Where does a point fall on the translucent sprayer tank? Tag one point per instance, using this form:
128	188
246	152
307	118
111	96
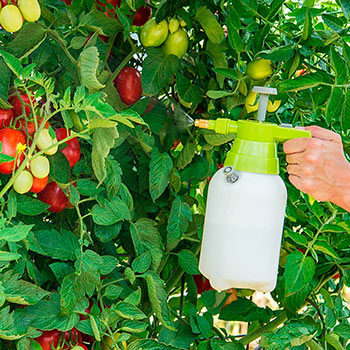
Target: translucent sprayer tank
246	205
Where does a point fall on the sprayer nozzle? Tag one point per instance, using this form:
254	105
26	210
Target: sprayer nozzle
202	123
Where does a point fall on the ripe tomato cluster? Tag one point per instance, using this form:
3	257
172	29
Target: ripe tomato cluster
13	15
18	130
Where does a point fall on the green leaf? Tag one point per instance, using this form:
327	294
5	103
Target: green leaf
159	175
12	62
299	271
334	341
218	94
57	245
158	298
30	206
59	168
103	141
5	73
233	25
246	311
21	292
110	212
279	54
130	311
335	105
217	53
146	238
211	26
157	70
113	292
186	155
227	72
109	263
343	330
88	64
323	246
133	326
304	82
188	92
345	5
97	21
7	256
168	8
15	233
215	139
179	219
27	40
312	345
150	344
188	262
307	30
142	263
341	76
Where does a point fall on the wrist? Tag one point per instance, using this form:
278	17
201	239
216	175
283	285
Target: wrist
341	196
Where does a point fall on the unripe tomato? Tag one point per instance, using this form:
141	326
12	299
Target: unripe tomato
38	184
129	86
78	124
54	196
174	25
30	10
45	140
11	19
10	139
154	34
176	43
24	182
17	104
142	15
251	103
273	106
108	344
72	151
259	69
40	167
6	116
80	347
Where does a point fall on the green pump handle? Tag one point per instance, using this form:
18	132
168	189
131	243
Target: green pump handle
254	148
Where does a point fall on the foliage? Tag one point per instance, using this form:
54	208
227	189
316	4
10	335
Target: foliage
129	245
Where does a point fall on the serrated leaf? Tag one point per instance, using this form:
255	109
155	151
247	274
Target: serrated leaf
215	139
186	155
218	94
188	92
304	82
339	66
299	271
188	262
16	233
323	246
335	105
157	70
130	311
179	219
88	64
159	175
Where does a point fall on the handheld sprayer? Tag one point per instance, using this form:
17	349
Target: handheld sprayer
246	204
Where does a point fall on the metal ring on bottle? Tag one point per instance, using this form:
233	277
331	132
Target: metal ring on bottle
230	174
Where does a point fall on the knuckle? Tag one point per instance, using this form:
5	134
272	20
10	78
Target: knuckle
312	157
315	143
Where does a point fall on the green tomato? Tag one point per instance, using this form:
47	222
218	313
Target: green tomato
24	182
45	140
11	18
259	69
30	10
174	25
40	167
176	43
153	34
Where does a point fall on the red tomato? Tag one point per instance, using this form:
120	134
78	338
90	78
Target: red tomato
5	2
336	276
72	337
202	284
38	184
68	2
17	104
54	196
10	138
176	143
49	339
129	86
72	151
142	15
5	117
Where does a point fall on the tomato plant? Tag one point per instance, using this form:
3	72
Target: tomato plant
22	101
39	184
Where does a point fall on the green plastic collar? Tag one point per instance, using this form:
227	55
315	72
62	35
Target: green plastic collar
255	147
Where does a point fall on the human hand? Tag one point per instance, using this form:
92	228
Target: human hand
317	166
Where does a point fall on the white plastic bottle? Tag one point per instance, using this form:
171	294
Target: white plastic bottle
243	230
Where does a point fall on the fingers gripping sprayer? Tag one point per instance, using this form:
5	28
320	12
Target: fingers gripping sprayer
246	204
